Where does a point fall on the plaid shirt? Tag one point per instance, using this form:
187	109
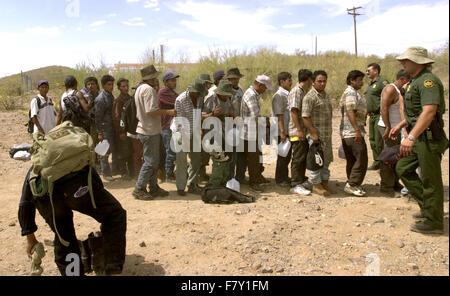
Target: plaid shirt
352	100
319	109
250	109
295	99
184	108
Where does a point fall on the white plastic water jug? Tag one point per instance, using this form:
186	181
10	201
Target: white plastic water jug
102	148
283	148
233	184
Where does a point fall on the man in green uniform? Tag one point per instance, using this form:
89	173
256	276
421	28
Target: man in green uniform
373	95
426	141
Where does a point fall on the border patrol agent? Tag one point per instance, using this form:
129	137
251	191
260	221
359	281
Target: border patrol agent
426	141
373	100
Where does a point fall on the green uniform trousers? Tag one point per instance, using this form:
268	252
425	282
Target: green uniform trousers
375	138
428	190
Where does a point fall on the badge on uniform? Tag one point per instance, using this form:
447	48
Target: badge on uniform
409	88
374	86
80	192
385	82
428	83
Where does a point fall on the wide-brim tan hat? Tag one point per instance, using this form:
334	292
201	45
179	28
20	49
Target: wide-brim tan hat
233	73
225	88
418	55
149	72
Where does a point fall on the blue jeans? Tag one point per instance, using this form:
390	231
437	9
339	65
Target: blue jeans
148	173
104	164
170	155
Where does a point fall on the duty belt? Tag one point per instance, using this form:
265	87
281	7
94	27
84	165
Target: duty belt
373	113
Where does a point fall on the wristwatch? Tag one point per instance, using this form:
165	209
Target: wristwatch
411	137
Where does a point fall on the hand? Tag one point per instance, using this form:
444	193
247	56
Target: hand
171	112
100	137
315	138
217	111
393	134
386	133
301	135
283	137
123	137
31	241
406	147
358	137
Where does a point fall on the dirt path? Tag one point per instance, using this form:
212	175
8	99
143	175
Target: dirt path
279	234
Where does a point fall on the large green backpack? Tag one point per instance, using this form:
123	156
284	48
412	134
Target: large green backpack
64	150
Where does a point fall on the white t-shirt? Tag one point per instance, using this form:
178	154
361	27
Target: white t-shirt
394	110
147	101
45	115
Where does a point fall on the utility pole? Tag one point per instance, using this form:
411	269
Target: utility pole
316	45
352	11
162	54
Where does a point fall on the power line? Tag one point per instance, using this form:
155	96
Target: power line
353	12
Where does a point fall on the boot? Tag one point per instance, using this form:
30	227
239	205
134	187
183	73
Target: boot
85	255
328	187
320	190
95	242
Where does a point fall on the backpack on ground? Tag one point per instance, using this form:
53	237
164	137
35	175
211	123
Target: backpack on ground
224	195
74	112
64	150
30	123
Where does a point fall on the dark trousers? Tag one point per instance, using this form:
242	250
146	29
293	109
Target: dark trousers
104	163
389	179
124	156
298	165
109	213
357	160
137	155
375	138
254	165
282	169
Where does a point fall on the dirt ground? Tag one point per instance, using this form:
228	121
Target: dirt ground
279	234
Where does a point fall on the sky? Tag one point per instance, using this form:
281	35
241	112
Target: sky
68	32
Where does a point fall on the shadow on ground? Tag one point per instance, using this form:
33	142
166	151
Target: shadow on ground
135	265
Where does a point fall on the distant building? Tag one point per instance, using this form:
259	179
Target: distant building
136	67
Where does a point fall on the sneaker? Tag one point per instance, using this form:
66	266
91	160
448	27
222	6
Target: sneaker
307	185
141	194
361	188
418	215
354	190
181	192
108	178
425	228
299	189
194	189
404	191
320	190
256	187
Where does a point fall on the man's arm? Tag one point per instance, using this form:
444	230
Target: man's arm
389	95
83	103
397	129
37	124
296	119
352	118
309	125
423	122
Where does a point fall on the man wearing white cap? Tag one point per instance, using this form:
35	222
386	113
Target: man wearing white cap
250	111
426	141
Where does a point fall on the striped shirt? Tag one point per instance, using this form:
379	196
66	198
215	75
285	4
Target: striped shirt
352	100
319	109
250	111
236	101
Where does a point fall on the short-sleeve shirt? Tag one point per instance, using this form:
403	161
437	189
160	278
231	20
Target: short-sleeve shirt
45	115
280	106
295	99
373	94
225	106
147	101
250	111
424	89
184	108
352	100
236	101
318	108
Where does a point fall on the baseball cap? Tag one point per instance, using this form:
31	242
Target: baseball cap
40	82
218	74
264	80
169	75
